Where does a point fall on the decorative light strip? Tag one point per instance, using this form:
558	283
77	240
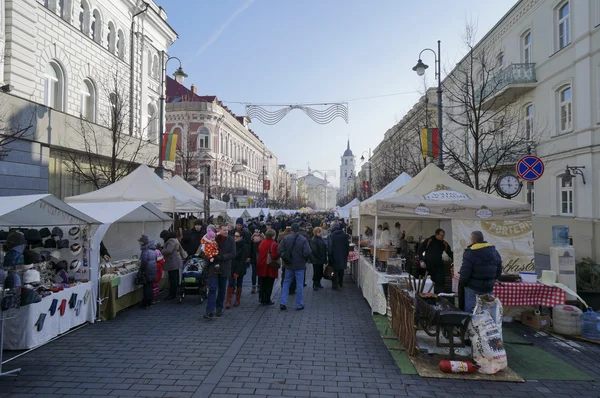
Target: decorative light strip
320	116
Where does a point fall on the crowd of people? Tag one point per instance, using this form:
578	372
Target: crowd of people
269	249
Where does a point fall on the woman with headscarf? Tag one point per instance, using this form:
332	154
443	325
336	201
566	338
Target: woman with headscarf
173	262
148	266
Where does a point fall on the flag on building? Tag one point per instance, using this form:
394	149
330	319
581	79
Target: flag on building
429	142
169	146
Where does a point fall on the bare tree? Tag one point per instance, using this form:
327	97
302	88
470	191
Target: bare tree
104	152
20	125
488	130
187	164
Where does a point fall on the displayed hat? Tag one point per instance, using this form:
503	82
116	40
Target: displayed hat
44	233
50	244
56	231
32	276
55	255
45	255
74	232
75	265
25	267
61	265
33	236
31	257
12	280
75	249
29	296
62	244
16	238
3	235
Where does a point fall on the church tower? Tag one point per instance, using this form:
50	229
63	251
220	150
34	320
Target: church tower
347	172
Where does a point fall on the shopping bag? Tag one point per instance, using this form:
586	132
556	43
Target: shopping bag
329	271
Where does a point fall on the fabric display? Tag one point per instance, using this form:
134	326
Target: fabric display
63	307
529	294
78	307
73	301
86	297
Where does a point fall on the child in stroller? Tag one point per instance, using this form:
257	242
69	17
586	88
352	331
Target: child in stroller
193	281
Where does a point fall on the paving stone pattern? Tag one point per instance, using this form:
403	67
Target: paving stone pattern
331	349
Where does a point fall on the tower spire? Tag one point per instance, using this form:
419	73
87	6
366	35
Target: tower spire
348	143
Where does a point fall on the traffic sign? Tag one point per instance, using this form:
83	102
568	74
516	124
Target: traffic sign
530	168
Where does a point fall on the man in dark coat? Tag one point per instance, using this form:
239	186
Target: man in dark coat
318	257
430	255
295	247
218	273
481	266
339	247
191	239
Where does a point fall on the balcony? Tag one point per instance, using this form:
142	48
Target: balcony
240	166
507	85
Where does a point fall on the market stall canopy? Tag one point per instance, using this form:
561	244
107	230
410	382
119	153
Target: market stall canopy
234	214
433	194
39	211
389	189
255	213
266	211
145	186
110	212
178	183
344	211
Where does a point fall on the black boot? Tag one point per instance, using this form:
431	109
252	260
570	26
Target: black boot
315	287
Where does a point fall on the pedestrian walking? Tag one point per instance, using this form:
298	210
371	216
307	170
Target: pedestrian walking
148	267
191	239
295	252
257	238
267	274
218	272
430	254
481	266
339	247
173	261
238	270
318	257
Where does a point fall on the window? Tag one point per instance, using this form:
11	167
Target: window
565	109
346	161
96	27
110	38
527	47
203	138
564	25
120	45
500	60
566	197
155	66
528	121
152	123
88	100
63	9
113	99
53	86
84	11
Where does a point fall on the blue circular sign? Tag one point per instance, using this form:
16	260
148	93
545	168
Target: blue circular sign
530	168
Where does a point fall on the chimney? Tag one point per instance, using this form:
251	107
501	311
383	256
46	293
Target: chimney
193	88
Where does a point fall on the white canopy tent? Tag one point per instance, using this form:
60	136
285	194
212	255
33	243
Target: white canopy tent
344	211
266	211
435	198
254	212
37	211
217	207
122	223
234	214
145	186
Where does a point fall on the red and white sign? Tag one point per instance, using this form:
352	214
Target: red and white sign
267	185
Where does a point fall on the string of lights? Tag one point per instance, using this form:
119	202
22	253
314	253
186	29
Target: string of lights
320	116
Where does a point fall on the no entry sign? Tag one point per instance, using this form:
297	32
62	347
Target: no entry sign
530	168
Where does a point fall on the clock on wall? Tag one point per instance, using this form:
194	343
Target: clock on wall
508	186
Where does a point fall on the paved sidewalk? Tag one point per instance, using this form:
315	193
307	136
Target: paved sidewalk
331	349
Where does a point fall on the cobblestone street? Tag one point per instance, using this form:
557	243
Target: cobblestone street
331	349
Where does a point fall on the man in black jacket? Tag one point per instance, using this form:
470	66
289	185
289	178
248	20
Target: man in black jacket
430	254
191	239
481	266
218	273
339	248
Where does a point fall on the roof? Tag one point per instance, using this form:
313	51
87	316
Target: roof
348	151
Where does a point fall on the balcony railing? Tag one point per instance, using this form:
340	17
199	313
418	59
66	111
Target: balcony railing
512	75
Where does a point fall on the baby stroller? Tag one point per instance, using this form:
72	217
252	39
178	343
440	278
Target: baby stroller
193	281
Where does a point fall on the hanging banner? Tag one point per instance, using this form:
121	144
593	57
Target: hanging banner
267	185
429	143
366	186
169	146
513	240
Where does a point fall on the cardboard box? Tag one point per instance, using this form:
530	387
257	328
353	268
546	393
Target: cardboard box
536	321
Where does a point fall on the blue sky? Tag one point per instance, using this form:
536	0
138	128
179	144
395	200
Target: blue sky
298	51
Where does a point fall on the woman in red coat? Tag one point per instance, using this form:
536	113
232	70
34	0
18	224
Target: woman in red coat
266	274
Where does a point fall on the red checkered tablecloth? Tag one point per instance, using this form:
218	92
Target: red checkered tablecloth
529	294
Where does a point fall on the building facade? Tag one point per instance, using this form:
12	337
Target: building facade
209	133
347	173
63	60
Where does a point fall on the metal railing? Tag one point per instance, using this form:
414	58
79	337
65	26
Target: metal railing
512	74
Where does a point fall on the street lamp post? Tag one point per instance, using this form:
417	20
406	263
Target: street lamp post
420	69
179	77
362	159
